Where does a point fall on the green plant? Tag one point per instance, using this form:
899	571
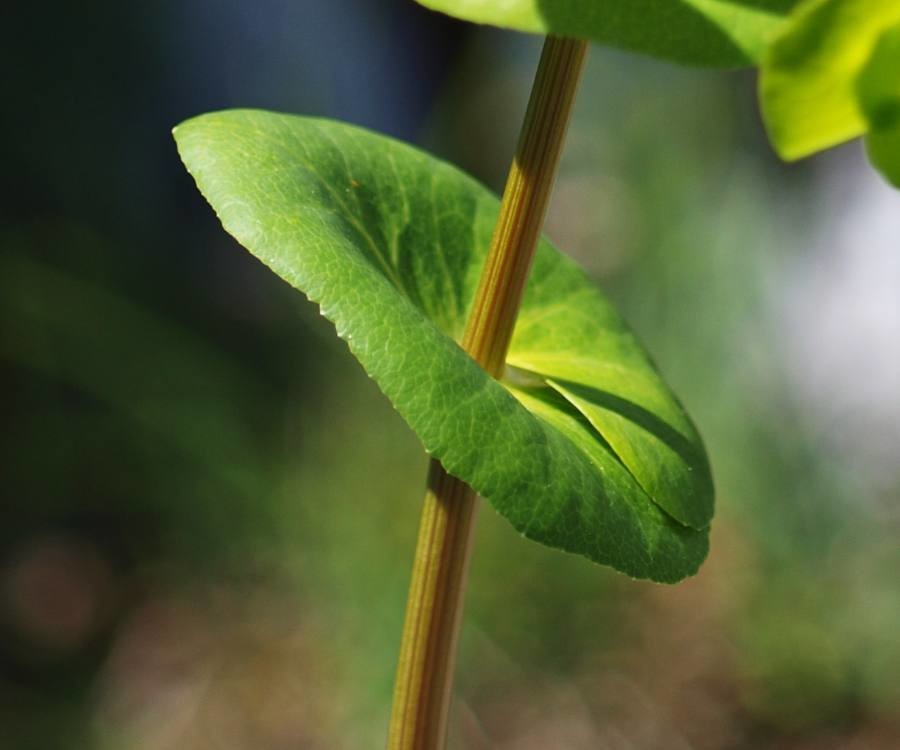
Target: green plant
833	73
521	381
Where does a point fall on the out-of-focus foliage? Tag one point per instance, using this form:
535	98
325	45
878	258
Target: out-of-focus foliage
833	74
158	594
878	88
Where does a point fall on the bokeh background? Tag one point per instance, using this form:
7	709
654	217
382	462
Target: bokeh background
209	511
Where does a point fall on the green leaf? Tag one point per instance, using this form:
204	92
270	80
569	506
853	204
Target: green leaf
878	90
808	76
582	447
716	33
883	148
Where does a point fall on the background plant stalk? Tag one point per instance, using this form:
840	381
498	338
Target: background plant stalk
434	607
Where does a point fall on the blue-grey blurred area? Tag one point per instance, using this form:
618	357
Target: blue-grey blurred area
208	511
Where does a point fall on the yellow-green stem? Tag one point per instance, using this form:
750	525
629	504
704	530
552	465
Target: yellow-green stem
434	606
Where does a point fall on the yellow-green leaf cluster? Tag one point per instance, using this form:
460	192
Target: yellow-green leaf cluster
833	73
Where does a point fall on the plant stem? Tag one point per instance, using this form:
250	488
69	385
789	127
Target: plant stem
434	606
433	612
525	198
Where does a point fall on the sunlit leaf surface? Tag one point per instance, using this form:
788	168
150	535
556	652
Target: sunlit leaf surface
809	75
581	447
717	33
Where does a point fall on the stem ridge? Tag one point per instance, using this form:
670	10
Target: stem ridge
434	607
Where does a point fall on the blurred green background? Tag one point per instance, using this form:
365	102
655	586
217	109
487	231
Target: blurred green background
209	511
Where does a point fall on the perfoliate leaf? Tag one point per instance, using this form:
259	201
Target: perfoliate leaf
716	33
581	446
808	76
878	90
